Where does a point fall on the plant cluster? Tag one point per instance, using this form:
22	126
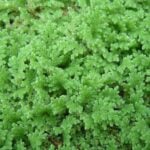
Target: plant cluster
74	74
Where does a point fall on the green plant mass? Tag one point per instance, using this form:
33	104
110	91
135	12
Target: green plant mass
75	74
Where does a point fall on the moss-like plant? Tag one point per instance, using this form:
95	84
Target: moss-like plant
74	74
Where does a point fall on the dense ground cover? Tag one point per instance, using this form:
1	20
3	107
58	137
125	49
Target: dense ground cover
75	75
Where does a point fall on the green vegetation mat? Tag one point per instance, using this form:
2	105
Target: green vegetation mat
75	74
